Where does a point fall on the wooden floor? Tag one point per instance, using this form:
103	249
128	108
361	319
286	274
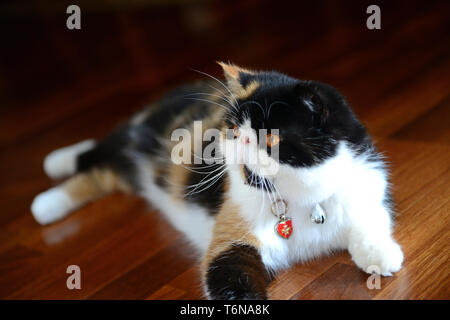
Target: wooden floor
59	86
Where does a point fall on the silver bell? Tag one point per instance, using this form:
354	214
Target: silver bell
318	214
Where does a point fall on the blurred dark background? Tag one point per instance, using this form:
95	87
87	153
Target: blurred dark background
59	86
133	51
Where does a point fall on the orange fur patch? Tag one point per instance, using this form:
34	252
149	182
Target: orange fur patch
231	73
246	92
232	70
85	187
230	228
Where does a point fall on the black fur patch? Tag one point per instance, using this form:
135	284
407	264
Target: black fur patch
116	152
211	193
389	203
238	274
179	101
312	117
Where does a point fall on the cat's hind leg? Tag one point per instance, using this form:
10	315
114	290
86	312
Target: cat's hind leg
63	162
57	202
98	168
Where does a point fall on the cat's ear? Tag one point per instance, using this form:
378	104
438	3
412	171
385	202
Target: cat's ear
313	101
234	75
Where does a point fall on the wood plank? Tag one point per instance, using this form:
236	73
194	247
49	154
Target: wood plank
341	281
80	85
188	283
112	255
426	277
150	275
425	271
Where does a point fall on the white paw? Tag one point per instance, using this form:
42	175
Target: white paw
63	162
383	258
51	205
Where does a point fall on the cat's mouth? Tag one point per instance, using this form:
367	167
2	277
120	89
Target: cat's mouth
255	180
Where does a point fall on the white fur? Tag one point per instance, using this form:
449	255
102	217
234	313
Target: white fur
190	219
63	162
52	205
349	188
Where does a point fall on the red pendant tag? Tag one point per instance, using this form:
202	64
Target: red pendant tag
284	228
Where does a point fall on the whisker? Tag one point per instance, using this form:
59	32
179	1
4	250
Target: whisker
223	98
274	103
203	181
223	94
214	179
210	101
215	159
214	78
257	103
197	171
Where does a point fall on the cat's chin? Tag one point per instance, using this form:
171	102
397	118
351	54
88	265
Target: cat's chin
255	180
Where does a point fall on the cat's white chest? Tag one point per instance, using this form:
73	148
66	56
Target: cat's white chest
308	239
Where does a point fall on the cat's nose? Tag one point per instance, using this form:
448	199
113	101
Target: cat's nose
245	139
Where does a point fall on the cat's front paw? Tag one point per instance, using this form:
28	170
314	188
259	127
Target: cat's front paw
379	258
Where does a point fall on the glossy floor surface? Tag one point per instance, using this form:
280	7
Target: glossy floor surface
58	87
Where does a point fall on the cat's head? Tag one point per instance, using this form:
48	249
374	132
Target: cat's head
278	121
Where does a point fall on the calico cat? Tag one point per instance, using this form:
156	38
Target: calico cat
329	190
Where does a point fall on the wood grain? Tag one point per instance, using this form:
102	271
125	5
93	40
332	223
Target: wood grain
78	85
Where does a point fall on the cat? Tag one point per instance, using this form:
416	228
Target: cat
324	189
